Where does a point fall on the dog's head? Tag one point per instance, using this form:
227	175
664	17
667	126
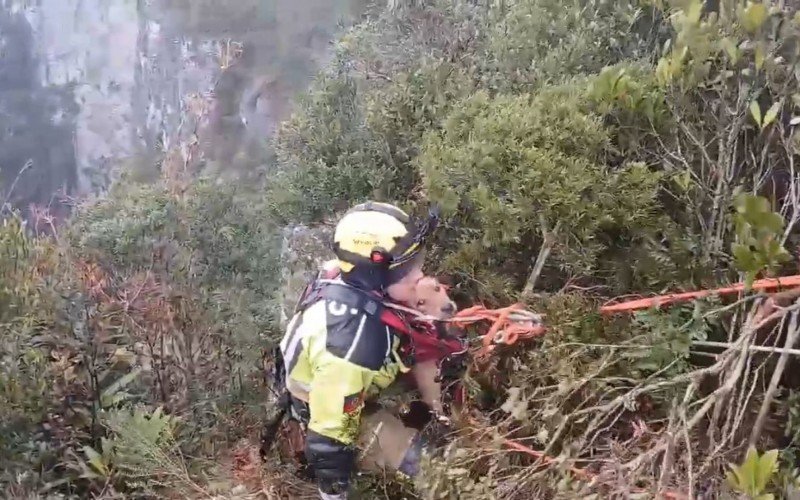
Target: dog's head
432	299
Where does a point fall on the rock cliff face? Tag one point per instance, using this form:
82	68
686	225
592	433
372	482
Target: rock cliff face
90	85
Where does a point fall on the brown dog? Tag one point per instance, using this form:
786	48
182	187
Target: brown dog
384	439
431	300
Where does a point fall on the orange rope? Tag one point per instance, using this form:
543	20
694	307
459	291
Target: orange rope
578	472
663	300
509	324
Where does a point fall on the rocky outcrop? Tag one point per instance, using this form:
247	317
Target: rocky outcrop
304	251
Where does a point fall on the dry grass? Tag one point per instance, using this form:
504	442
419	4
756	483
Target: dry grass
597	433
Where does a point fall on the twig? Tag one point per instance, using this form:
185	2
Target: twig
28	164
720	396
544	252
791	338
688	454
667	462
735	418
779	313
757	348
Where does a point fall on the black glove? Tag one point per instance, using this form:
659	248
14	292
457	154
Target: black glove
452	367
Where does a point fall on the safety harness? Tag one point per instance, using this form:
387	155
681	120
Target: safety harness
421	340
418	337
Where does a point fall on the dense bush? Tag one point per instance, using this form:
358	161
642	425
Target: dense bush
327	154
212	235
395	81
146	299
355	133
539	42
662	114
525	173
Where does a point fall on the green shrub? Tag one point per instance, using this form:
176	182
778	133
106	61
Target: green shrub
149	298
516	173
212	234
327	154
722	91
414	103
538	42
398	39
140	456
356	134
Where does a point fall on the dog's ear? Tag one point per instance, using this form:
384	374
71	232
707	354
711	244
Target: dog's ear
445	279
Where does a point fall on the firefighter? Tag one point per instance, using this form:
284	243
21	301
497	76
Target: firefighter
343	346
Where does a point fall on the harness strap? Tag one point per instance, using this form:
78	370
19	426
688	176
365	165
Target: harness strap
353	297
394	316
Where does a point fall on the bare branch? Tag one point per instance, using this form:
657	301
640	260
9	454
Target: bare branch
791	338
5	205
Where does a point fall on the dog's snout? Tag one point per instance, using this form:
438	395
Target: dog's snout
449	308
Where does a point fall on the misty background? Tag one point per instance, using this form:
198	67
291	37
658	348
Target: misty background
88	87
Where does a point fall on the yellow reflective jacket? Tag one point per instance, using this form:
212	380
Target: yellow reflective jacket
336	353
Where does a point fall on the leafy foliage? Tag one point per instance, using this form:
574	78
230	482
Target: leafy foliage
336	157
581	150
670	335
737	60
519	171
758	231
536	42
146	298
140	453
753	475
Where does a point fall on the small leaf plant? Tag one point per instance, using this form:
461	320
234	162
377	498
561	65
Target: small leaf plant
753	475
